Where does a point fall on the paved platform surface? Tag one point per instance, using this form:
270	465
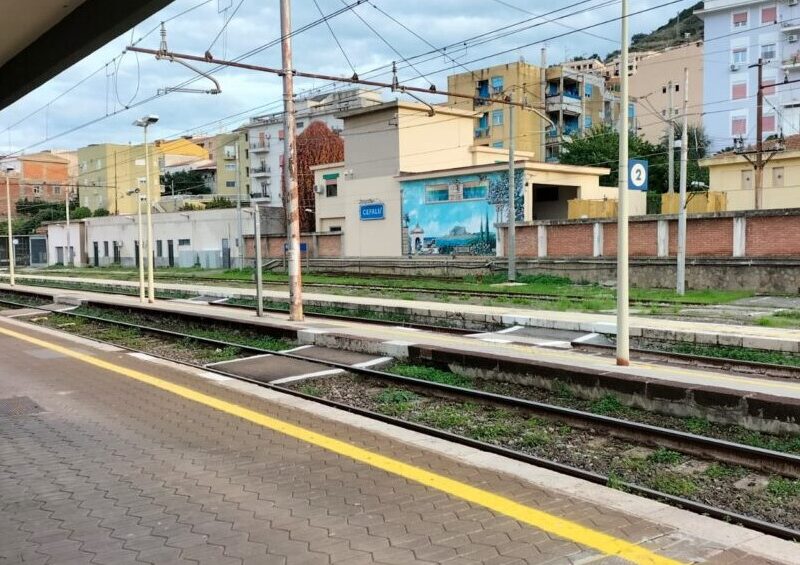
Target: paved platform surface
108	457
396	338
701	332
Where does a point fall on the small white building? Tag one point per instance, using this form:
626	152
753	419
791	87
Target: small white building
204	238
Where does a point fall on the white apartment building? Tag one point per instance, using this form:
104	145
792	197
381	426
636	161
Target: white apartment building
264	138
737	34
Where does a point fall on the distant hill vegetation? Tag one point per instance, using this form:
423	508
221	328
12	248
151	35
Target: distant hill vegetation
685	27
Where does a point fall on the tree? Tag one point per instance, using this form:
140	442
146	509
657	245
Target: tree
81	212
699	142
599	147
184	182
100	213
219	202
317	145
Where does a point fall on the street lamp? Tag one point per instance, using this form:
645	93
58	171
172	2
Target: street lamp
11	255
144	123
137	192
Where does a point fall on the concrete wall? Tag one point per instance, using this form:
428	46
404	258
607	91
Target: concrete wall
57	239
724	235
318	245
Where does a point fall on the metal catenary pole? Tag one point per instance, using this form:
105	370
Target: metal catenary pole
290	167
623	346
9	228
681	286
759	137
151	288
141	245
512	192
258	266
239	240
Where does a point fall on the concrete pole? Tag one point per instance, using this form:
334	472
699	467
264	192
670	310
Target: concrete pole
681	286
69	244
151	289
290	167
512	192
239	241
257	246
11	255
543	91
623	330
759	168
671	138
141	246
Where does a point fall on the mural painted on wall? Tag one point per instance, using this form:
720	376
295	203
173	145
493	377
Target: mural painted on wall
450	216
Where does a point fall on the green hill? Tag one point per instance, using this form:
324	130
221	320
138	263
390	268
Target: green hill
685	27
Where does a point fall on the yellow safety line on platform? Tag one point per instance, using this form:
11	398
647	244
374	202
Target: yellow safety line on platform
560	527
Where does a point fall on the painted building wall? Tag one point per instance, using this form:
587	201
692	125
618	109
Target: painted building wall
450	215
728	52
734	176
653	73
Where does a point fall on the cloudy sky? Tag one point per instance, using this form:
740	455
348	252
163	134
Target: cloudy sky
48	118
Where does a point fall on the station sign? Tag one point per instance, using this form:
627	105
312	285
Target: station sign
371	211
303	247
637	174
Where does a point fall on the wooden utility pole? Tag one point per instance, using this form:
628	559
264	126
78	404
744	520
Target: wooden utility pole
290	167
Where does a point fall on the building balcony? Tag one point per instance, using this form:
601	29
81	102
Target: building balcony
482	132
259	146
568	105
790	26
260	171
791	62
264	196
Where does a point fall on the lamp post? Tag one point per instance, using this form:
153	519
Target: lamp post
137	192
69	243
11	254
144	123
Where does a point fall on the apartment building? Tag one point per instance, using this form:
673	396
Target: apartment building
36	177
107	171
737	35
564	104
262	138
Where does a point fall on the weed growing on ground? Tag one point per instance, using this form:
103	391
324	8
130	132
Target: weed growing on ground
311	390
395	401
535	438
447	417
609	405
432	375
563	390
664	456
781	487
699	426
673	484
720	471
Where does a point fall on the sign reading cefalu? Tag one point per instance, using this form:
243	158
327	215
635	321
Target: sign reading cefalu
371	211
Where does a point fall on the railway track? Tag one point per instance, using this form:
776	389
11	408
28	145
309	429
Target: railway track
785	464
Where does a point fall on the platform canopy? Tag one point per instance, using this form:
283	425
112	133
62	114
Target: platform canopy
41	38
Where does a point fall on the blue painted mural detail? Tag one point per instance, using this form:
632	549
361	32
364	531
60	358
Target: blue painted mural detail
454	215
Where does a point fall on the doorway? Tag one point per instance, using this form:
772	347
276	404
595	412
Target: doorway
170	253
96	254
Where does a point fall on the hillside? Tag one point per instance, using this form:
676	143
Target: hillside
674	32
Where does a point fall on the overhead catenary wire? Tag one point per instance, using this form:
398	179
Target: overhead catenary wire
336	39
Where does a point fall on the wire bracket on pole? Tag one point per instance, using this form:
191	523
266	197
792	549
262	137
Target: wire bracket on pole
163	53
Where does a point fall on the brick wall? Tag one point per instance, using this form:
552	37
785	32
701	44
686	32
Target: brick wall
769	237
570	240
772	233
327	245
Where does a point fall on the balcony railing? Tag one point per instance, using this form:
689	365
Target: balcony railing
259	146
482	132
262	170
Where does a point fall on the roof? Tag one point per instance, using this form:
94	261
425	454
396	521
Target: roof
43	157
522	164
402	104
792	145
39	41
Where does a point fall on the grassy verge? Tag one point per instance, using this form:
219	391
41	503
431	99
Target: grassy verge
729	352
789	319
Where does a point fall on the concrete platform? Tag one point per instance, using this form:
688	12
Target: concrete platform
777	339
122	459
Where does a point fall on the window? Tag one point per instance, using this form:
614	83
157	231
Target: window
769	86
335	228
768	122
246	153
230	183
105	249
230	166
474	192
769	15
497	144
546	194
159	248
587	122
588	90
740	19
37	190
738	90
497	84
777	177
437	193
768	51
247	171
299	124
739	56
182	242
331	189
739	125
56	190
230	151
497	117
